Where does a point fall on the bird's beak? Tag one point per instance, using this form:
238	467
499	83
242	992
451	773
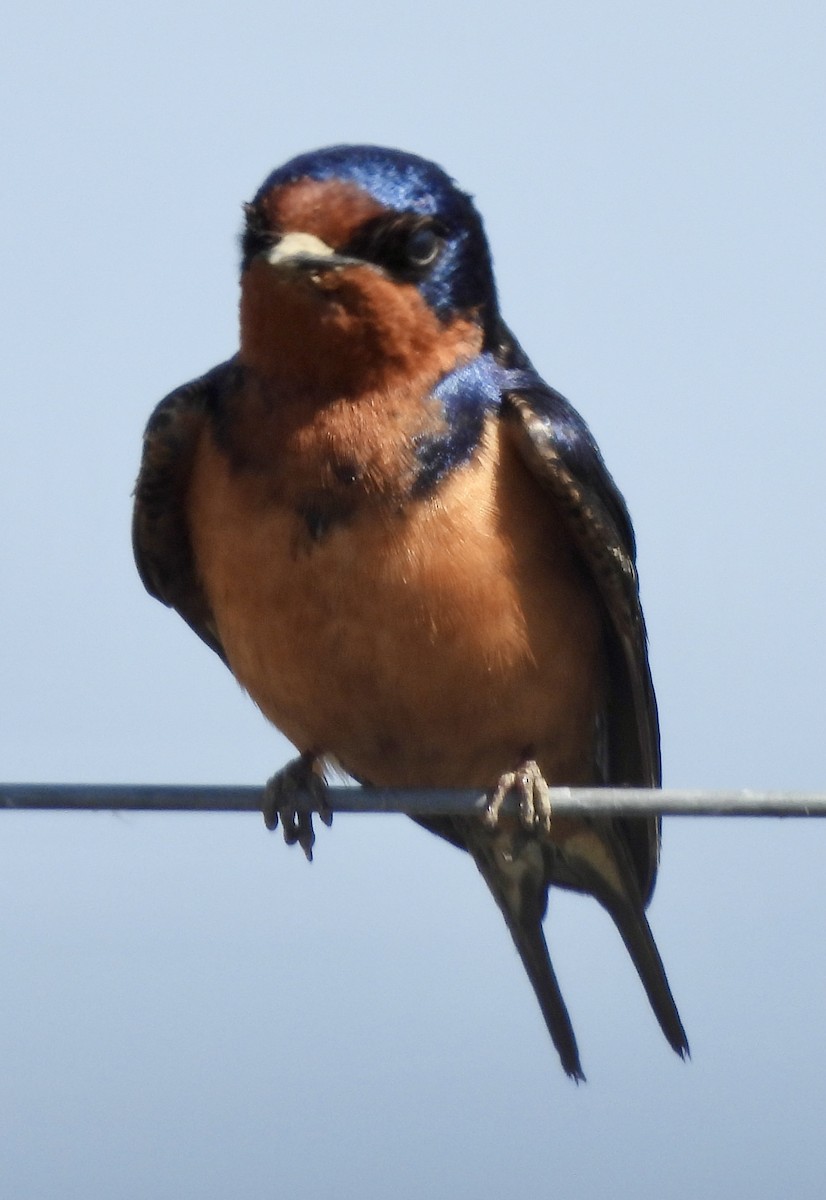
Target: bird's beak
305	251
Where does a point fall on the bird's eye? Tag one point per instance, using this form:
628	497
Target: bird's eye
422	246
404	244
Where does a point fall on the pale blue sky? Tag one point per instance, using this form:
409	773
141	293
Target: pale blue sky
186	1008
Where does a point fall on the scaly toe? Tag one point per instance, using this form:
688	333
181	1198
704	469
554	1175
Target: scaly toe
535	803
490	815
534	797
285	798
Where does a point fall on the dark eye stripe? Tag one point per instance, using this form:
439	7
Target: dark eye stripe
405	244
257	235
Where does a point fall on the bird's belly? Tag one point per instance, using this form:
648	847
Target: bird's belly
437	646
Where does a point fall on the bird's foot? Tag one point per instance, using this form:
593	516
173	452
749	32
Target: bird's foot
301	778
534	797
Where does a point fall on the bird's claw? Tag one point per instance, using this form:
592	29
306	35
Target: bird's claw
285	800
534	797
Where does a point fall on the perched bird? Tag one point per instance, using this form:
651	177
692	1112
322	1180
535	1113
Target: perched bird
407	548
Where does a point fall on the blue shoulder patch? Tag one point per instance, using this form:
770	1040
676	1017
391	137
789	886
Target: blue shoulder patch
466	397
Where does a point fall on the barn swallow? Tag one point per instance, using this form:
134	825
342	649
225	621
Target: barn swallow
407	548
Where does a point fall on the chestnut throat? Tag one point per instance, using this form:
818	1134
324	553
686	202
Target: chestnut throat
332	410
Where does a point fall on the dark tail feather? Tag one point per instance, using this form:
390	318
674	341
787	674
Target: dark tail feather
639	941
529	940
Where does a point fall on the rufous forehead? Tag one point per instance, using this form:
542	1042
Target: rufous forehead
332	209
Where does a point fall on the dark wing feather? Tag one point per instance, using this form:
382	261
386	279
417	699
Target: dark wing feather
560	451
160	534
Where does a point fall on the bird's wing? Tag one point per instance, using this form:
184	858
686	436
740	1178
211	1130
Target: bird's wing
559	450
160	533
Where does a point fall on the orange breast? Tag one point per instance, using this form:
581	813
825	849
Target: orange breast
437	645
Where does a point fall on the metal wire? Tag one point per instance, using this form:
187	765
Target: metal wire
420	803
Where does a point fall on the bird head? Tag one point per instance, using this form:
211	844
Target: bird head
362	260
